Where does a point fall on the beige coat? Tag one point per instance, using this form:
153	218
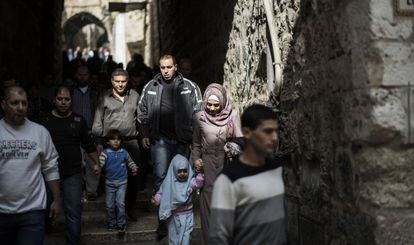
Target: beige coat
208	144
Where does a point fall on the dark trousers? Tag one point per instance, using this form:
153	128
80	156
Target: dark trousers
71	188
22	229
133	181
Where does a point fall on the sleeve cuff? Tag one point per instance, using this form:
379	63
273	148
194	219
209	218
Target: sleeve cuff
54	175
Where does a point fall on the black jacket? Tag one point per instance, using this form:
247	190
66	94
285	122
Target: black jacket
187	101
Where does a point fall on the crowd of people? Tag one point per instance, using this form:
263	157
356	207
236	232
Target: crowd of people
63	139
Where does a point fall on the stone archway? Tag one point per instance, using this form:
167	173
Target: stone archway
96	37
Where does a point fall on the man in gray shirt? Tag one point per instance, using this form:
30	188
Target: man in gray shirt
27	155
117	109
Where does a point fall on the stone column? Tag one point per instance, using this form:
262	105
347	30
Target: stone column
119	46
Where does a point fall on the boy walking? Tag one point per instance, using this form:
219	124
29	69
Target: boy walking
247	201
114	161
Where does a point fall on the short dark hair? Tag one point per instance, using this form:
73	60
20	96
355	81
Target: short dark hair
59	88
119	72
168	56
254	115
113	134
9	90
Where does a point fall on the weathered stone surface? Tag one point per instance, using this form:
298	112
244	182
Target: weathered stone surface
386	177
395	226
398	59
386	25
375	116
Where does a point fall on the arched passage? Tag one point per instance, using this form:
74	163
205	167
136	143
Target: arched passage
75	24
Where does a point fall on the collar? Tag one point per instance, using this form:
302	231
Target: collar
84	89
110	150
177	79
112	94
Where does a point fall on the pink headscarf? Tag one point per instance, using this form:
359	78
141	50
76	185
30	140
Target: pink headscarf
224	116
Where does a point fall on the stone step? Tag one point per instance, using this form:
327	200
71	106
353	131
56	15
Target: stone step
98	217
94	229
130	237
143	203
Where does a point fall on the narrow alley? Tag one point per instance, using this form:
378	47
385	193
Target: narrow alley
338	73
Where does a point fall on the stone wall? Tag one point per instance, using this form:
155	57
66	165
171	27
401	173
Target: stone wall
30	39
344	111
343	106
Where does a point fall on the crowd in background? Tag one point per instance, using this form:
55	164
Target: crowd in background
119	123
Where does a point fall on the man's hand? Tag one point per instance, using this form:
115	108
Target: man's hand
198	165
56	204
96	169
134	172
55	208
146	143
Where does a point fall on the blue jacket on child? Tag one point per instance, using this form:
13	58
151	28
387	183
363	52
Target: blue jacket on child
115	163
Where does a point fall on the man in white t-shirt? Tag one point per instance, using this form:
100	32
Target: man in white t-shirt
27	158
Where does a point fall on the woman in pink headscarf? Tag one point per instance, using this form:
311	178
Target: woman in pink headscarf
217	122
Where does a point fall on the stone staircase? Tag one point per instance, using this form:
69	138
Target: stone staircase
94	230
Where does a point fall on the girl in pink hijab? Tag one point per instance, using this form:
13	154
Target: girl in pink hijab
214	125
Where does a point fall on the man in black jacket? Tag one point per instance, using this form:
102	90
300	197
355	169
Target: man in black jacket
165	111
69	131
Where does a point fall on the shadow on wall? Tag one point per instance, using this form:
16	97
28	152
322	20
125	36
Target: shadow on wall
29	39
319	88
199	30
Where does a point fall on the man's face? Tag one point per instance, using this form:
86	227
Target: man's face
119	84
264	137
63	101
167	68
15	108
82	76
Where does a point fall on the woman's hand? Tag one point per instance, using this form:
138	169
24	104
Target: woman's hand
198	165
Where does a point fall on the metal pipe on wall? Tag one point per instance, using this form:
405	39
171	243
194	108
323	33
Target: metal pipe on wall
268	4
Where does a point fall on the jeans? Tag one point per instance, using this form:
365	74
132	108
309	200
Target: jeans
22	229
71	188
162	152
132	148
115	198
